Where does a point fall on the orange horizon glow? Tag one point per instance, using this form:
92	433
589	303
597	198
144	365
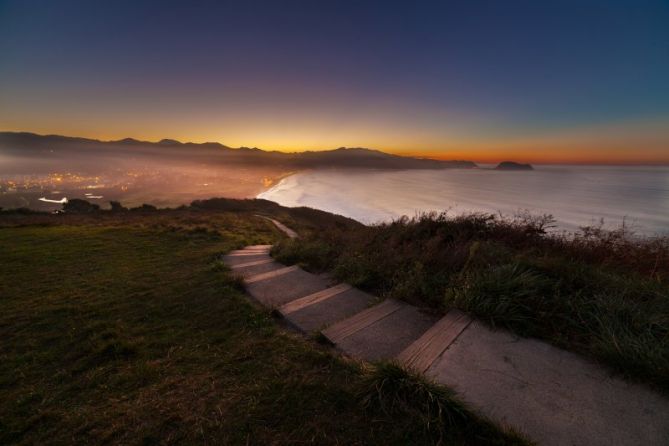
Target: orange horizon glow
628	143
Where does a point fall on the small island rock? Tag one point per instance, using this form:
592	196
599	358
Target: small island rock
512	165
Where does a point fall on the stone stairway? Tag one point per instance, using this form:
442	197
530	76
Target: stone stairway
553	396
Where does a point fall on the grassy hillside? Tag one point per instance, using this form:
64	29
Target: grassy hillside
124	328
602	294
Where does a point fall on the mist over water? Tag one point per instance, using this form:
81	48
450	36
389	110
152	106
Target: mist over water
574	195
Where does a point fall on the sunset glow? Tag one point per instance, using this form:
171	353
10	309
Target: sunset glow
526	81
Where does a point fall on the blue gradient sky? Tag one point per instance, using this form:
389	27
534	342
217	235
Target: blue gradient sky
581	81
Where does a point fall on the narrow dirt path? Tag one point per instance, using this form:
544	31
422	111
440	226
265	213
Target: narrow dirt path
283	228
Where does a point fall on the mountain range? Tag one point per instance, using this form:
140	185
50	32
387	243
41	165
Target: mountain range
58	148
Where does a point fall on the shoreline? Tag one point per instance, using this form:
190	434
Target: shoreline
273	182
373	197
278	182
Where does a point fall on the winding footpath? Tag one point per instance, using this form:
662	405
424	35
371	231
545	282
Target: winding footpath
553	396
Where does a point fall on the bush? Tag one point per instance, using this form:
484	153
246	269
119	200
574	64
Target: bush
145	208
78	206
117	207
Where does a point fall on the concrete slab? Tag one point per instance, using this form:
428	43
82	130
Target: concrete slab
276	291
248	251
555	397
321	313
385	338
232	260
271	274
257	268
251	263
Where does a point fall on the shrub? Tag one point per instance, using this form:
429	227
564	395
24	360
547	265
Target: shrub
117	207
78	206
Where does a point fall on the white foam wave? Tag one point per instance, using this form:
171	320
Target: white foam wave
576	196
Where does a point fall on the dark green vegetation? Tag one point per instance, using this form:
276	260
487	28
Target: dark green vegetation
124	328
602	294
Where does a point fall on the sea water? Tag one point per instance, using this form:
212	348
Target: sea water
575	195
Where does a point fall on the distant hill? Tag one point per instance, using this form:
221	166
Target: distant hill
55	147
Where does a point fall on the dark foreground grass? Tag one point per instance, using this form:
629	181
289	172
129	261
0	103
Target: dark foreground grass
602	294
124	330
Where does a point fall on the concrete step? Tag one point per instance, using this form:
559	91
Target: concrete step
271	274
311	299
380	332
236	259
554	396
249	250
244	253
256	267
420	355
251	263
326	307
278	287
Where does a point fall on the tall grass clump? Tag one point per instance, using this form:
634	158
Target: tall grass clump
431	408
509	295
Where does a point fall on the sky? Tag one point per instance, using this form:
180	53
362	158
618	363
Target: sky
561	81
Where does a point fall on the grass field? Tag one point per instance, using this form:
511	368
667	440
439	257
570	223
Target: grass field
124	329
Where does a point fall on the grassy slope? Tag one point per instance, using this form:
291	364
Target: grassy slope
601	294
125	330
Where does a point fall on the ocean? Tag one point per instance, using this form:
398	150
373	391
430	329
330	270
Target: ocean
575	195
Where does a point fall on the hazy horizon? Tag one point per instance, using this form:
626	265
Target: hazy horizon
323	149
